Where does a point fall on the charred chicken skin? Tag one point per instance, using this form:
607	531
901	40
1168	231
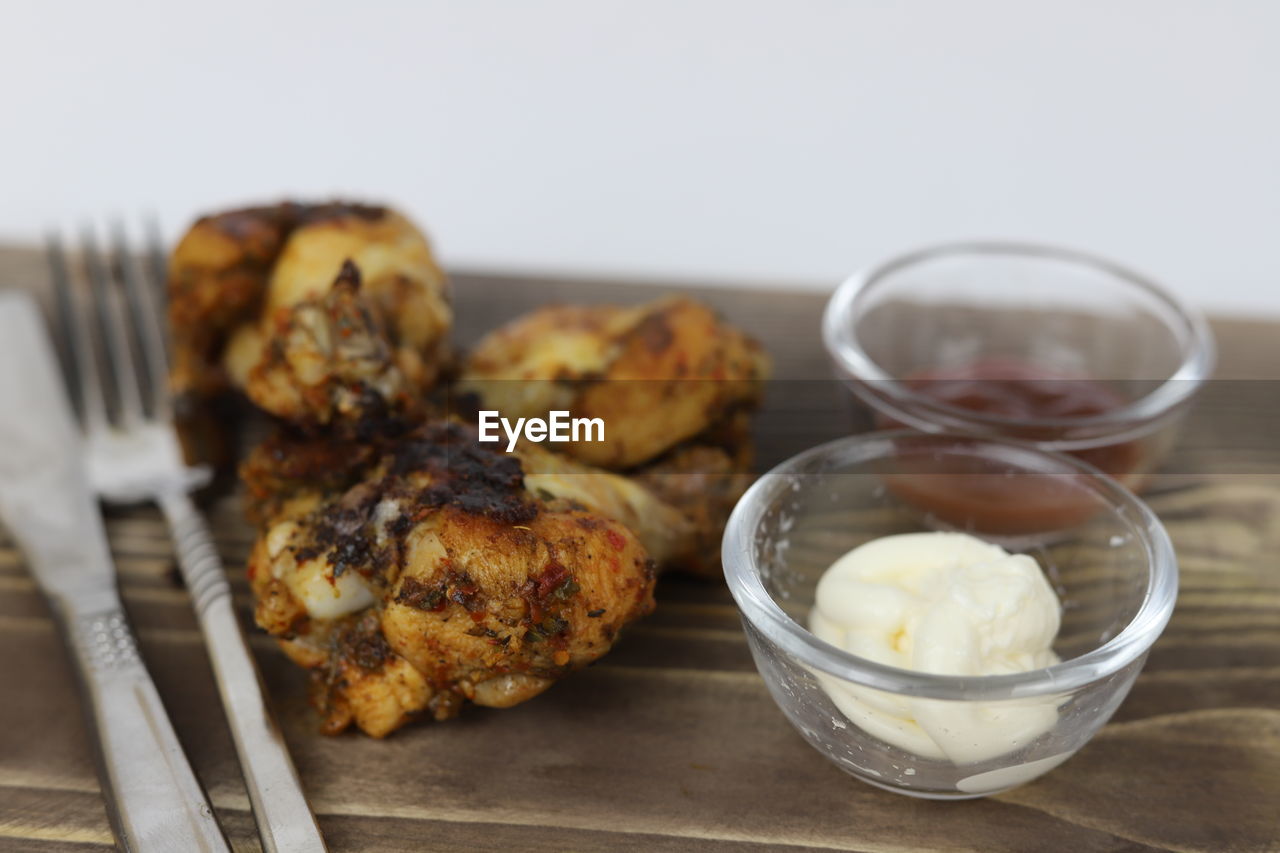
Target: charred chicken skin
671	365
245	284
409	566
447	572
286	476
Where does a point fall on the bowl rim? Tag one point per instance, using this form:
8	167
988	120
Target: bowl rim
842	345
764	614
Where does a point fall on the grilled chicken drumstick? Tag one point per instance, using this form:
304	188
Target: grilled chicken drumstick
411	567
446	574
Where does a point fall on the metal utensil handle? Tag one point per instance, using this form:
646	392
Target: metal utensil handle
285	821
154	801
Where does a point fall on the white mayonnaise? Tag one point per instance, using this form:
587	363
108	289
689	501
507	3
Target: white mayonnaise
944	603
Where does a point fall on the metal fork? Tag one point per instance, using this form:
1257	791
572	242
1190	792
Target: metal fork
134	456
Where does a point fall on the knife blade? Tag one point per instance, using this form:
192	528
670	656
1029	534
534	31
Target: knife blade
154	801
44	496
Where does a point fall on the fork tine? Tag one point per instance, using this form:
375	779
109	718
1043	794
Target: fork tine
141	301
86	381
115	332
157	263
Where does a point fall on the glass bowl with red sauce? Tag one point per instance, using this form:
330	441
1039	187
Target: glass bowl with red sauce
1051	346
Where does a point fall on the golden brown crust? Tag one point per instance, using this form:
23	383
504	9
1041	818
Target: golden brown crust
247	283
657	374
464	584
410	568
674	384
327	363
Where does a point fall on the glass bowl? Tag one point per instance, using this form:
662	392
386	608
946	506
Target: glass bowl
917	337
1113	569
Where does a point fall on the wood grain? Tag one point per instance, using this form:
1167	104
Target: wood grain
671	742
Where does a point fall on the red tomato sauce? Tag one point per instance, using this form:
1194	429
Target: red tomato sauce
979	497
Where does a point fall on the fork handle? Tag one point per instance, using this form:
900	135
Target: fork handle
285	821
154	801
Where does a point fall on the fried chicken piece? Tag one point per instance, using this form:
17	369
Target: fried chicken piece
446	573
657	374
285	476
328	364
703	484
673	383
243	283
218	274
666	532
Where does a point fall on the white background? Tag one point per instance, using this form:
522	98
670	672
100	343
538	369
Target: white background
730	140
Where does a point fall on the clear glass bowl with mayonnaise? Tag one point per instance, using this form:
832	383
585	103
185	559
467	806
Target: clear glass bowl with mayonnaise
920	638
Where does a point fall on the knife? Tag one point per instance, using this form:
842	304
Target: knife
153	798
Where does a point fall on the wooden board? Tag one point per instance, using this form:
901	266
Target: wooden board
672	742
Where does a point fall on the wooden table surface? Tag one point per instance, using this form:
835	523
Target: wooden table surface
672	742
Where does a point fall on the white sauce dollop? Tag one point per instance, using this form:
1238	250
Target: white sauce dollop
945	603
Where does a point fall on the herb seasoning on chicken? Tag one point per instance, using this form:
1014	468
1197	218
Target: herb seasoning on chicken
441	577
410	567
